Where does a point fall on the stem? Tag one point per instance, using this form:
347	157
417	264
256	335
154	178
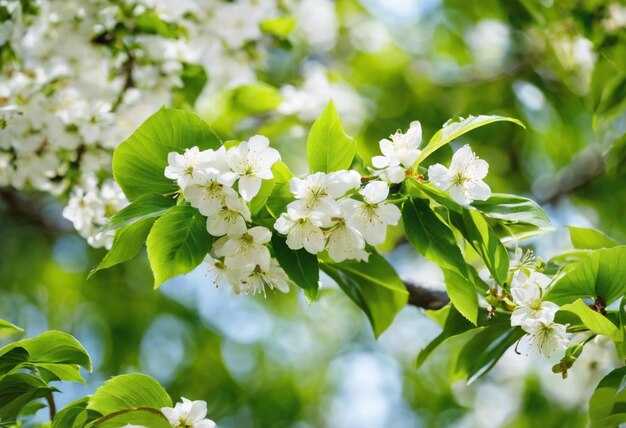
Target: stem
51	405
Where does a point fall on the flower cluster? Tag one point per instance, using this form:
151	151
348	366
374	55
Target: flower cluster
464	179
90	206
326	216
220	184
400	152
188	414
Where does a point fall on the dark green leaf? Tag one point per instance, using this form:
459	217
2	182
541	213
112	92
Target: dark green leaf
148	206
129	240
17	390
301	266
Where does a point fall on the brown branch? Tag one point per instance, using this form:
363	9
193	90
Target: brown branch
426	298
51	405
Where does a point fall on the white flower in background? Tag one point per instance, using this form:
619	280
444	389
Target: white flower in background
464	177
230	219
254	279
252	161
372	216
345	242
316	21
239	22
546	337
399	153
209	190
527	292
248	248
319	191
188	414
303	229
184	167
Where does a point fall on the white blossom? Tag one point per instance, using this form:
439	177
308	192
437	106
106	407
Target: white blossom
209	190
230	219
319	191
400	152
464	177
546	337
303	229
372	216
188	414
255	279
345	242
527	293
184	167
252	161
245	249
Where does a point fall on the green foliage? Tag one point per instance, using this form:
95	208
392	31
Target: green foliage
374	286
594	321
589	239
280	27
177	243
328	148
148	206
600	274
128	241
607	406
301	266
454	129
139	162
194	77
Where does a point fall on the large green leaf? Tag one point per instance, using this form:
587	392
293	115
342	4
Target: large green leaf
148	206
145	417
140	161
589	239
53	347
301	266
454	129
17	390
128	241
462	294
177	243
12	359
328	148
513	209
374	286
477	232
6	326
128	391
607	407
593	320
74	415
601	274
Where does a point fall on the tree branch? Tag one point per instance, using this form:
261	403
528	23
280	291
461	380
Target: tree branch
426	298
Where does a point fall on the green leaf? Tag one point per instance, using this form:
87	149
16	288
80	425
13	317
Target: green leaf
462	294
484	349
258	202
129	240
193	77
12	359
280	27
74	415
51	372
147	417
328	148
148	206
17	390
301	266
427	191
589	239
7	326
177	243
128	391
374	286
52	347
149	22
281	196
477	232
512	209
139	162
607	407
601	274
455	324
453	130
593	320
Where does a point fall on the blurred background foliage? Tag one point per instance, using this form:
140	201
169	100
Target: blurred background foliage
278	362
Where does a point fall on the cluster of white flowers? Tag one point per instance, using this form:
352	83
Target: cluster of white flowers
188	414
400	152
325	216
534	314
90	206
464	179
208	179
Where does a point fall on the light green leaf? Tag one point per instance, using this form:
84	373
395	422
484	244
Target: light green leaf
513	209
258	202
177	243
607	407
148	206
280	27
128	391
462	294
51	372
593	320
328	148
453	130
601	274
374	286
146	417
477	232
589	239
129	240
301	266
5	325
280	196
139	162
